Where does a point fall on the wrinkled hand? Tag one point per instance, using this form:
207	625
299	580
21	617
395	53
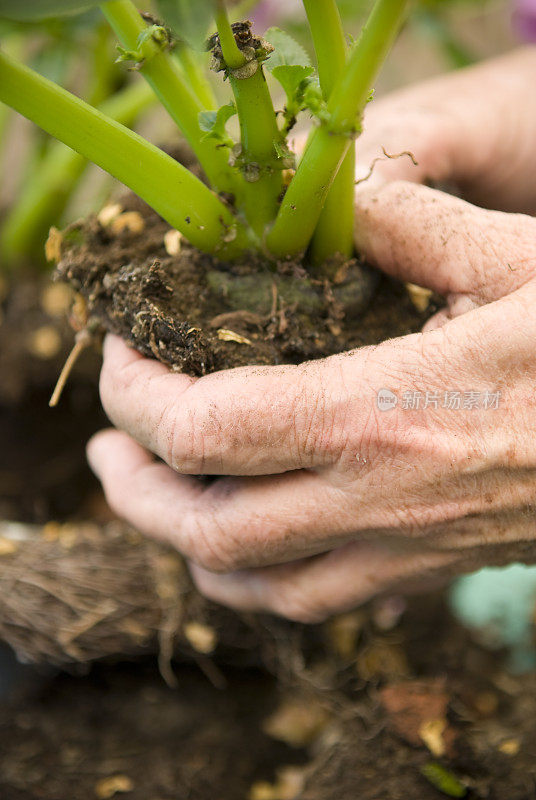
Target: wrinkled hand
331	500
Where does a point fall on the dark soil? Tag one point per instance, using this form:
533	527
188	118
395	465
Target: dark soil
195	743
380	698
43	469
198	315
199	742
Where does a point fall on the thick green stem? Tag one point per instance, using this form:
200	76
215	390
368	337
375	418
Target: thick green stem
164	76
177	195
334	233
329	41
335	230
46	195
259	133
305	197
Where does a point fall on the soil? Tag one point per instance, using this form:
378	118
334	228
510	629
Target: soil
341	737
198	315
392	701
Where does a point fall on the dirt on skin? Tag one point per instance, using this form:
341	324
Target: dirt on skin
381	704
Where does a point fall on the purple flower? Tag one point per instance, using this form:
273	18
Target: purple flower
525	19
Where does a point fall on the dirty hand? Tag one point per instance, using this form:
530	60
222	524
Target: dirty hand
328	499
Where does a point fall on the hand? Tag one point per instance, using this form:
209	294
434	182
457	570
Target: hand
332	501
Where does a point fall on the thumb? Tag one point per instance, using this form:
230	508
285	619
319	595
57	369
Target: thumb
430	238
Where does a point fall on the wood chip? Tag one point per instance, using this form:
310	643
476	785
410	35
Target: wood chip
431	732
288	786
297	722
344	631
202	637
7	547
231	336
44	343
417	712
110	212
419	296
510	747
130	221
56	299
115	784
172	242
53	245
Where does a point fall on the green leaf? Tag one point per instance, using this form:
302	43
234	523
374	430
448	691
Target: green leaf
213	122
189	20
207	120
443	780
29	10
291	78
287	50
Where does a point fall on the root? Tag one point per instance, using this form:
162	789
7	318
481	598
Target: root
382	158
82	340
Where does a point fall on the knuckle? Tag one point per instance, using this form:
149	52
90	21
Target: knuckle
315	413
196	432
203	435
186	450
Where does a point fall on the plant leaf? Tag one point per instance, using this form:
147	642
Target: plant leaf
291	76
213	122
443	780
287	50
188	19
30	10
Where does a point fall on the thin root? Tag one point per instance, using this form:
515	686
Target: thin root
82	340
382	158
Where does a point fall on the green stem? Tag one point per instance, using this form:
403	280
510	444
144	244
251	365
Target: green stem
168	187
305	197
329	41
334	232
258	132
164	76
102	69
45	197
335	229
195	76
232	54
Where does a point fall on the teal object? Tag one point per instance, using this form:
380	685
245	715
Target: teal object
499	605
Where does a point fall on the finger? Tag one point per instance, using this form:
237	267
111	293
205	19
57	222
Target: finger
227	525
254	420
130	475
311	590
456	306
449	124
432	239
